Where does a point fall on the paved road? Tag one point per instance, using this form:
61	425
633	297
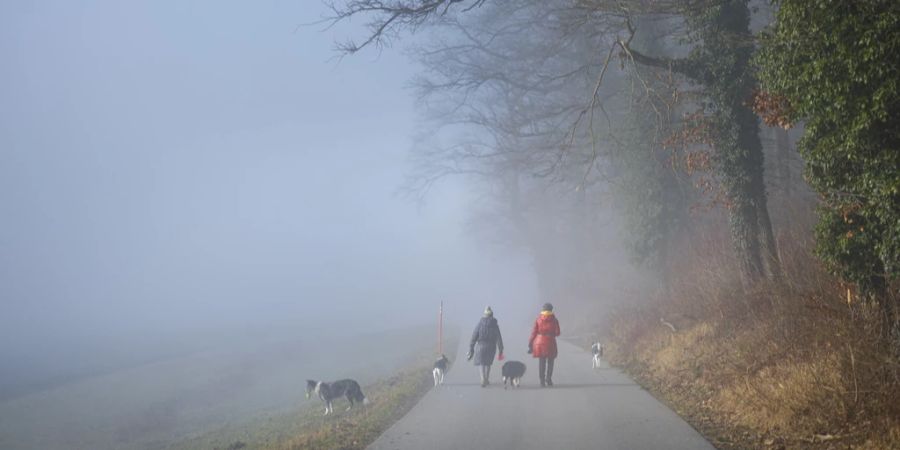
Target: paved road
586	409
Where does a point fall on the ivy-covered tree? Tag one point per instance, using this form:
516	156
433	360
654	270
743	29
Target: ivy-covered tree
719	64
835	65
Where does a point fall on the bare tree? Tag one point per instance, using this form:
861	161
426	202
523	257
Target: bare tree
387	18
512	90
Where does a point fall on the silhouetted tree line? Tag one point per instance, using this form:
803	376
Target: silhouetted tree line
655	106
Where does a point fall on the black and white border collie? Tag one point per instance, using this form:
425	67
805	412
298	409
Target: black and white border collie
330	391
440	368
597	351
512	372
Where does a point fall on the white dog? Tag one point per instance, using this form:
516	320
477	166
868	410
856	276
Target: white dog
440	368
597	350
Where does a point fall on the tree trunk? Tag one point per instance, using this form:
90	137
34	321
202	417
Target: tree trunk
743	155
745	238
748	137
783	150
770	245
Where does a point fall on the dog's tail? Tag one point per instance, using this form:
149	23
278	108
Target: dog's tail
365	400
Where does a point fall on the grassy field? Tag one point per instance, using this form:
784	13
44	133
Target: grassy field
259	386
308	429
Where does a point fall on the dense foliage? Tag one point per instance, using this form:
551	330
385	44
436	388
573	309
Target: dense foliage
835	65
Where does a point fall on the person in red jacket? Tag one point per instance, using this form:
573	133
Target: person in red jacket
542	343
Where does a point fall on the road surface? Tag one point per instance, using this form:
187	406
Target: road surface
586	409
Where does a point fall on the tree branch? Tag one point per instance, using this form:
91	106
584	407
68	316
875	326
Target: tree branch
681	66
390	17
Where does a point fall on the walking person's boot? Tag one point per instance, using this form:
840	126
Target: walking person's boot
550	371
484	376
542	369
487	375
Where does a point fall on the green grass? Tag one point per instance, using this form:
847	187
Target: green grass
391	399
307	428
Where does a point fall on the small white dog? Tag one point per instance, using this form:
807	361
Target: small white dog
597	350
440	368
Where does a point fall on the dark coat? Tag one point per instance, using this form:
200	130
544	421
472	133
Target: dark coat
543	336
485	341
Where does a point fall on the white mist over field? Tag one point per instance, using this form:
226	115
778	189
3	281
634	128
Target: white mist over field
203	205
178	176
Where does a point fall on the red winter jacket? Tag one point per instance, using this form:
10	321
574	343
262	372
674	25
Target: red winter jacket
543	336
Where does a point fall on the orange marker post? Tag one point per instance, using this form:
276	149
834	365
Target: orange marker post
441	329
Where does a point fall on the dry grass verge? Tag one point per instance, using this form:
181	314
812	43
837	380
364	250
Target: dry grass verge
784	365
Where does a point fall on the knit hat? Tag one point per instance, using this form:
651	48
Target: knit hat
547	307
488	311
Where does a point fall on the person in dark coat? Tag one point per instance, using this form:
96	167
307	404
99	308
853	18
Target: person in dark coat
486	340
542	343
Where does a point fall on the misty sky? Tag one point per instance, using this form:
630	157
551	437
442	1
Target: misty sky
170	166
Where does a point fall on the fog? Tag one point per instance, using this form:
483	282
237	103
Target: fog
204	204
180	176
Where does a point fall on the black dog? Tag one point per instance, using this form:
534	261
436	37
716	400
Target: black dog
330	391
513	371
